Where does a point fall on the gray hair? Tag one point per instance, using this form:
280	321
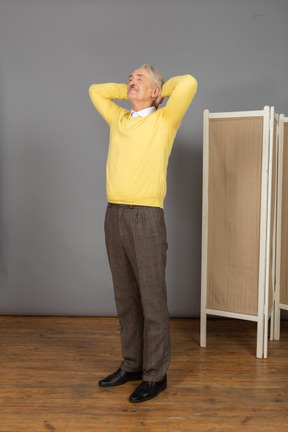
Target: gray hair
155	74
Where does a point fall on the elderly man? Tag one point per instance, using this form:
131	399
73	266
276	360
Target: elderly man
140	145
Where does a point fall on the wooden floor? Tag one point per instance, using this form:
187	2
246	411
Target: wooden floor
50	367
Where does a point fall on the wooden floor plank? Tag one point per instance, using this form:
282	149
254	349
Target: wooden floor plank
50	367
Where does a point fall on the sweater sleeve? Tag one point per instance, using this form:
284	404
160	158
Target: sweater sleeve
102	96
181	91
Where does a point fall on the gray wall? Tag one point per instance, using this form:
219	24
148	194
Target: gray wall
54	143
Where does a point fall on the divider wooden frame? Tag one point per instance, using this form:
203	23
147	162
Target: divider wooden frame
238	227
281	297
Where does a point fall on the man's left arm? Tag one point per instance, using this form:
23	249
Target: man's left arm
181	91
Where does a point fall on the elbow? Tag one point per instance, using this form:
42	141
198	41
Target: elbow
192	84
91	89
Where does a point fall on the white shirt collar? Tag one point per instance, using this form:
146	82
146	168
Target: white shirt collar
143	113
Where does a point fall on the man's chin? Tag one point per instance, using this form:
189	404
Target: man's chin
131	96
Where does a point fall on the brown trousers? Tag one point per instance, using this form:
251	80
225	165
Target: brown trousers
136	244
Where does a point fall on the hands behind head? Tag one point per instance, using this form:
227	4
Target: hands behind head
158	100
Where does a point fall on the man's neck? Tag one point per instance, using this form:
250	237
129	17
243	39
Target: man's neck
140	107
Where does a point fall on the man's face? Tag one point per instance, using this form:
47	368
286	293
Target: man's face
141	89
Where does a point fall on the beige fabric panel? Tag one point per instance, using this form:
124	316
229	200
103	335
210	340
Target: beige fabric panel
273	220
234	198
284	227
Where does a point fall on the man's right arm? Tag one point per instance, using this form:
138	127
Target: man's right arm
102	96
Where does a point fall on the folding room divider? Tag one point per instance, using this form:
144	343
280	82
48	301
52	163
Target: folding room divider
281	298
239	219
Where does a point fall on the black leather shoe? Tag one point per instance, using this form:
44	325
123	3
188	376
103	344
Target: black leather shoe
148	390
120	377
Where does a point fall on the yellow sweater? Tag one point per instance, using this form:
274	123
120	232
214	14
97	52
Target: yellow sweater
140	147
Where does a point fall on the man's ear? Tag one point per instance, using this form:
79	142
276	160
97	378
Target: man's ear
156	92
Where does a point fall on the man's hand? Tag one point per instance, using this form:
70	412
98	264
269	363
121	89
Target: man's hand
158	100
